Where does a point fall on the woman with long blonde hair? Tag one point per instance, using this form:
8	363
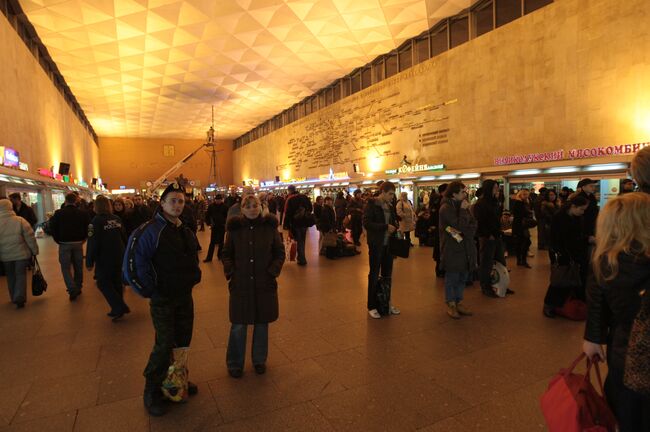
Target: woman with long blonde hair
621	276
522	214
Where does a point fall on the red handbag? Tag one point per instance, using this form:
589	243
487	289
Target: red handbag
572	404
573	309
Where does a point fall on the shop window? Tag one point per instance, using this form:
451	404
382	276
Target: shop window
328	97
356	82
314	104
378	71
507	10
366	78
168	150
482	18
345	87
421	49
458	31
439	40
337	91
391	65
533	5
405	58
307	107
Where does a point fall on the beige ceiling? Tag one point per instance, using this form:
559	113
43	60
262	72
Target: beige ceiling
153	68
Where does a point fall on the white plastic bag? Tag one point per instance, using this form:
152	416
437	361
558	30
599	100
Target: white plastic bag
500	279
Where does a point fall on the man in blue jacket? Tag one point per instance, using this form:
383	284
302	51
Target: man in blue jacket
162	264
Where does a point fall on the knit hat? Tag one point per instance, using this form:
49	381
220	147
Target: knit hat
173	187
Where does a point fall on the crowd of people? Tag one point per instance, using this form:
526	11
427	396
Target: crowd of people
152	246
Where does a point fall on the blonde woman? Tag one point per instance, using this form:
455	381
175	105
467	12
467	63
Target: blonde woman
621	275
406	216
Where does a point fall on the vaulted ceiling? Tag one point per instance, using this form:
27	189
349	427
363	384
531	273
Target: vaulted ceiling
154	68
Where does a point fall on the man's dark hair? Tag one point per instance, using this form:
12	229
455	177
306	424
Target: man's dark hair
291	189
218	196
442	188
14	195
71	198
578	201
453	188
387	187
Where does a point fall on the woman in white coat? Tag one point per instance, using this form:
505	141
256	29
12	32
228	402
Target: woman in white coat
406	215
17	246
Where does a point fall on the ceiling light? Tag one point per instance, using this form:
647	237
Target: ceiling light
470	175
427	178
526	172
559	170
606	167
367	182
447	177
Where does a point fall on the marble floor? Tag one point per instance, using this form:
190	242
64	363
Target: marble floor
65	366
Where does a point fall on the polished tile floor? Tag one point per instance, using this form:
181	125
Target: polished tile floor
65	366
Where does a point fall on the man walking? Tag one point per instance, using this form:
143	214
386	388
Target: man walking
298	218
162	264
23	210
69	228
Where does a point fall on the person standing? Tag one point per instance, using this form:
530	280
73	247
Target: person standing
586	188
548	209
318	208
141	212
340	206
355	211
297	215
406	216
380	222
162	264
326	224
458	251
23	210
627	186
522	213
615	292
17	247
69	227
216	217
253	256
487	212
105	251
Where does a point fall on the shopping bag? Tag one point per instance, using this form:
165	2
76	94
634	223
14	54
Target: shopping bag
566	276
572	404
637	372
174	387
500	279
399	247
383	296
573	309
39	285
39	233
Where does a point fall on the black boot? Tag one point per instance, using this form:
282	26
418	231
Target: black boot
154	402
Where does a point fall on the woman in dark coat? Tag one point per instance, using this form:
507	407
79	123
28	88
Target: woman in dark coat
326	222
457	247
615	293
340	206
252	258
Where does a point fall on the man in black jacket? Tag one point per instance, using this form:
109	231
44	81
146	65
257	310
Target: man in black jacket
69	228
487	212
23	210
587	187
298	218
380	222
216	218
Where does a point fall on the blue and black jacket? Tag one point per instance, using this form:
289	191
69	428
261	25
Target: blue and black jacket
161	259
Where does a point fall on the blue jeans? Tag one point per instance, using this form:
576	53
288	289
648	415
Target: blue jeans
17	279
236	353
72	254
455	286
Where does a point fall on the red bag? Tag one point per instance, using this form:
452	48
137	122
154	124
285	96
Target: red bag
572	404
293	251
573	309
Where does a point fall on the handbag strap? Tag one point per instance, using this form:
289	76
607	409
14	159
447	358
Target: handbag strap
576	361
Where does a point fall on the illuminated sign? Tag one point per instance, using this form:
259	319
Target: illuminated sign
530	158
623	149
407	169
333	175
11	157
23	166
122	191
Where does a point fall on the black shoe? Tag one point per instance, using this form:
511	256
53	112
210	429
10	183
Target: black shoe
524	264
207	260
20	305
260	369
509	291
117	317
302	263
549	311
235	373
154	403
469	283
73	296
489	293
126	309
192	388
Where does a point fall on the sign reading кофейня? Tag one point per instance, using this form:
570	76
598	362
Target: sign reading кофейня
556	155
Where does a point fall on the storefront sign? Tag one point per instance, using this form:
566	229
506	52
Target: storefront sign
45	172
530	158
408	169
623	149
11	158
252	182
23	166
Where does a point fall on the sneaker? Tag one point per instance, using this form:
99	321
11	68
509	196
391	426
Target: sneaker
20	305
395	311
509	291
73	296
260	369
192	388
154	403
463	310
489	292
374	314
452	310
235	373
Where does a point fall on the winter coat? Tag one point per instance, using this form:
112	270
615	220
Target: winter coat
406	215
327	220
252	257
613	305
457	257
106	243
27	213
17	241
520	211
69	224
340	206
375	224
567	238
591	214
291	207
487	211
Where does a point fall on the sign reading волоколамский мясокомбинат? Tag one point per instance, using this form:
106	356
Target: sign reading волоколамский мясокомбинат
595	152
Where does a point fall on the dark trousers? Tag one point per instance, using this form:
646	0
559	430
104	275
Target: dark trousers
381	263
72	255
523	244
110	285
356	228
490	251
16	272
632	410
173	321
300	236
216	238
236	353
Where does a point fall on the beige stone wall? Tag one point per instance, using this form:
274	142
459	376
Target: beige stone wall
571	75
34	118
133	161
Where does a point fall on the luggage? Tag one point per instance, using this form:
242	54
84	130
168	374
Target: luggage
383	296
174	387
573	309
330	239
500	279
571	404
39	284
